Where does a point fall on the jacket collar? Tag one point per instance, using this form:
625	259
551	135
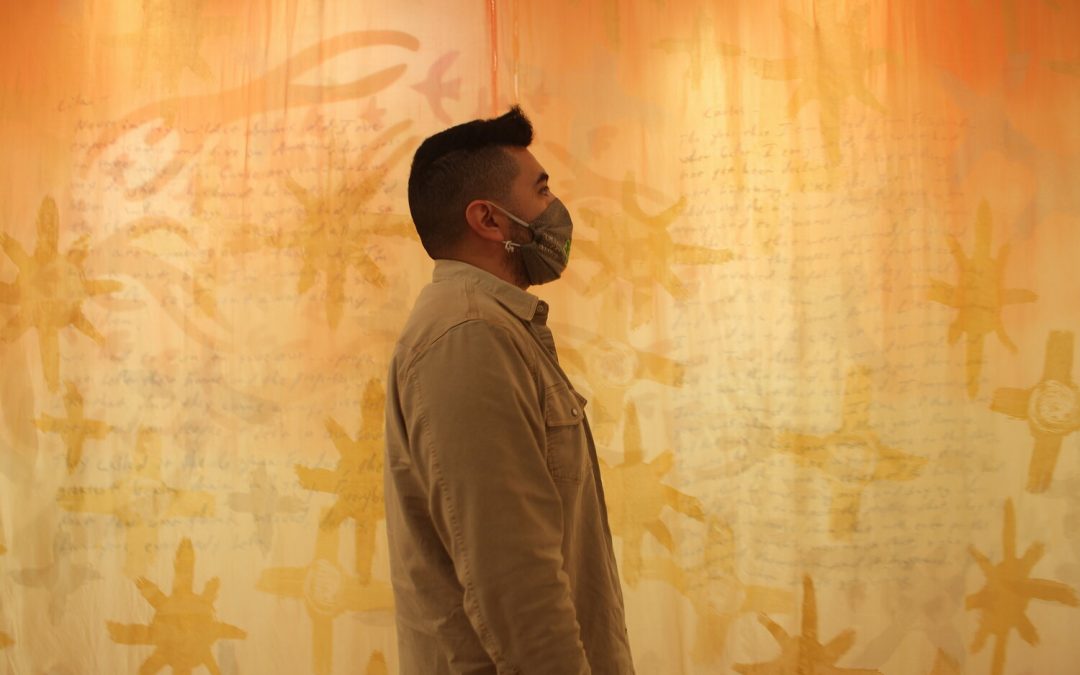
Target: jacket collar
522	304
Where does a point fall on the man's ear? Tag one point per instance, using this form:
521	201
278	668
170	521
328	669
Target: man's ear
480	216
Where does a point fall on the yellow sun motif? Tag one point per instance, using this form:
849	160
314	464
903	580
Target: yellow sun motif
328	592
1003	600
978	296
357	481
49	290
618	249
611	365
141	501
338	227
718	597
832	65
185	625
1051	408
803	654
636	496
853	456
74	428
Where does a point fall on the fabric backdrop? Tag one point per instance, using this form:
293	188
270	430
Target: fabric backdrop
823	300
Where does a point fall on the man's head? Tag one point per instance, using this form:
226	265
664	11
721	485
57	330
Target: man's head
460	179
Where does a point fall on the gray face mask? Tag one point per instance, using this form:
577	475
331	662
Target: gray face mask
545	257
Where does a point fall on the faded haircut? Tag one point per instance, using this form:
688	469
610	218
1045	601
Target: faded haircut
458	165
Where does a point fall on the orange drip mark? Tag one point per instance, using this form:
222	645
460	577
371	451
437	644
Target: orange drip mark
493	19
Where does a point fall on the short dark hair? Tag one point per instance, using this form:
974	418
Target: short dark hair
458	165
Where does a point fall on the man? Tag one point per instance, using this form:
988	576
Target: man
500	552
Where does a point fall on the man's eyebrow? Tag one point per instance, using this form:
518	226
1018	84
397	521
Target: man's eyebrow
543	178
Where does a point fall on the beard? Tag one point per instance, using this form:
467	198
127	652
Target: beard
514	262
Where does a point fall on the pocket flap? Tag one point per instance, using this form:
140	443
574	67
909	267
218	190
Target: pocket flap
562	407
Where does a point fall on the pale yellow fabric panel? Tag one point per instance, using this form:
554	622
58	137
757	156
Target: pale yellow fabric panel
822	299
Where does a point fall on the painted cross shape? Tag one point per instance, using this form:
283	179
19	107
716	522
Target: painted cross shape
853	456
327	591
1051	408
141	501
75	429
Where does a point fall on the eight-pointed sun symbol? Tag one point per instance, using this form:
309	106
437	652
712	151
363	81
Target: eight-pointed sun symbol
357	480
618	249
803	654
978	296
1003	600
185	625
49	290
337	227
636	497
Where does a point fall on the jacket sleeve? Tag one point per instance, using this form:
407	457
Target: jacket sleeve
481	432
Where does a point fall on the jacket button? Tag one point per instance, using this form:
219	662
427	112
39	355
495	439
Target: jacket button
574	412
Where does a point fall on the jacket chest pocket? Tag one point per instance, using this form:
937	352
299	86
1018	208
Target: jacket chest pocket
567	447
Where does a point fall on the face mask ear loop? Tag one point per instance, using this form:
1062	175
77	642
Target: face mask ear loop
507	244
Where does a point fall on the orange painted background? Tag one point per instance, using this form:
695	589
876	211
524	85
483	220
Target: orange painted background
823	301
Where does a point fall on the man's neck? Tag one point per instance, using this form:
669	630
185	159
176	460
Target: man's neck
497	267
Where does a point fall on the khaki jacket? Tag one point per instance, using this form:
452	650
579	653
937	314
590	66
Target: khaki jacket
500	552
